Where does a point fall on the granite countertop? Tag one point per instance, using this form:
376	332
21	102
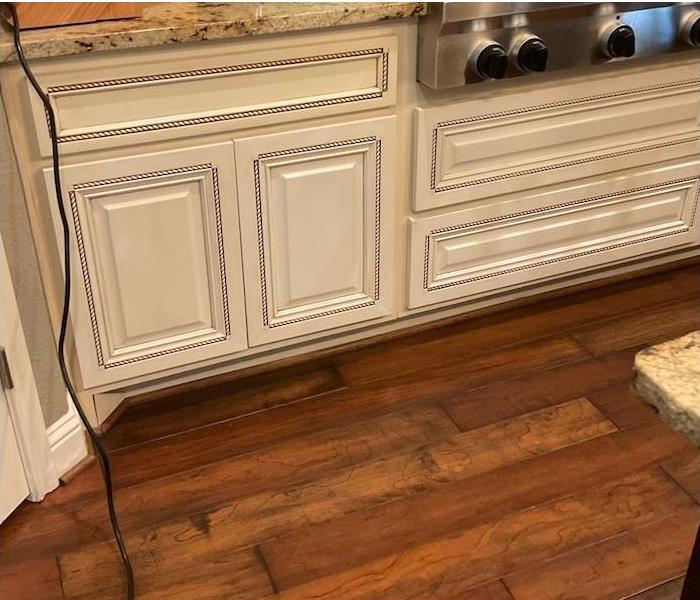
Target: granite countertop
165	23
668	376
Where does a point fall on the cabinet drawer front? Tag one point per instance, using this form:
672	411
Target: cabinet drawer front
156	250
316	212
476	150
458	256
128	103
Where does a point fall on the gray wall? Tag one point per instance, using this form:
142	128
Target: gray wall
17	239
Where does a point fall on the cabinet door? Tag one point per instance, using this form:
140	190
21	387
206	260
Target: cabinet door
316	210
156	261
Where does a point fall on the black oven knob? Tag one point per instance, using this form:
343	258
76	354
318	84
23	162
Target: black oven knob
691	29
619	42
492	62
532	56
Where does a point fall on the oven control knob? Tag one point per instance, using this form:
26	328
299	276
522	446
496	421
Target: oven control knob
492	61
532	56
618	42
691	29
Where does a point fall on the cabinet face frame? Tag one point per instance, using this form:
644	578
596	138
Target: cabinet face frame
284	298
572	234
191	194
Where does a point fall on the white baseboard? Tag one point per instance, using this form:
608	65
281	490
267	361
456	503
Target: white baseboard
67	441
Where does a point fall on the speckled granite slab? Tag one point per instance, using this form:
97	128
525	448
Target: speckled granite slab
668	376
165	23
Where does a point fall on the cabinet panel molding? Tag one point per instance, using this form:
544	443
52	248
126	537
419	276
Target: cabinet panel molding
239	89
157	253
457	256
316	228
474	151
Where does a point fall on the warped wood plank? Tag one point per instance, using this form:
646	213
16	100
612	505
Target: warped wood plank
523	325
272	467
622	405
230	438
248	520
643	328
473	408
155	415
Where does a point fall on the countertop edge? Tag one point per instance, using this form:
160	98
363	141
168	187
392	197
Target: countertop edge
232	22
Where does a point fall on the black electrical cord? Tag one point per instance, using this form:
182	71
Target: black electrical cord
96	442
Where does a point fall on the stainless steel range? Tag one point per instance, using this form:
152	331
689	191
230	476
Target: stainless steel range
469	42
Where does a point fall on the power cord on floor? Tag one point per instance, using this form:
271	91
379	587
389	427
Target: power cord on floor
96	442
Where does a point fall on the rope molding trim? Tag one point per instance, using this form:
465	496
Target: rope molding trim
82	253
536	108
373	297
534	211
382	55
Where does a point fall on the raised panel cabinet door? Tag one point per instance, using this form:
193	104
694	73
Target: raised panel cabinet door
156	261
316	210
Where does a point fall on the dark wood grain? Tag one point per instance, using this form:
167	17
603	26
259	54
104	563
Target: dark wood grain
615	568
191	571
236	436
275	466
379	531
435	465
471	408
646	327
484	335
450	565
622	405
252	519
148	420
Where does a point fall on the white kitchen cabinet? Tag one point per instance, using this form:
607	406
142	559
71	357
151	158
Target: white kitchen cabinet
155	261
533	239
478	151
316	209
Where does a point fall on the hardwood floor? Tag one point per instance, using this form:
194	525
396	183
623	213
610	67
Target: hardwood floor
500	458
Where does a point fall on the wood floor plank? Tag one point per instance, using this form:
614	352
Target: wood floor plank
272	467
671	590
622	405
486	334
183	411
363	488
447	567
474	408
616	568
203	575
372	533
494	590
249	520
29	579
472	368
646	327
237	436
684	469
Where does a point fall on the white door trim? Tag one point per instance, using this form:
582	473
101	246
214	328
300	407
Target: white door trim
23	398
